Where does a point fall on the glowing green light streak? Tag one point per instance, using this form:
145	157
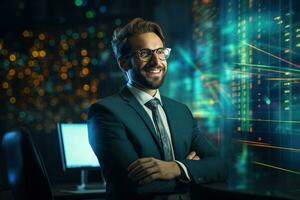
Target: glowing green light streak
223	92
251	73
209	75
276	47
206	102
283	79
267	145
211	83
264	120
245	83
266	66
202	114
187	57
272	55
213	93
276	167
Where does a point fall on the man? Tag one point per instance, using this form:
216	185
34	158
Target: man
148	144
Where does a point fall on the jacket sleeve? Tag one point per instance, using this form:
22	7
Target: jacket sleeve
211	167
115	151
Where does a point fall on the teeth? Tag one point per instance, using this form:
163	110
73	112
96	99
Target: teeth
155	71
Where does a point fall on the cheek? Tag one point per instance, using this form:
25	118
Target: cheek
137	64
164	64
141	66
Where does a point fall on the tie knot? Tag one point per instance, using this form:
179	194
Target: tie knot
152	104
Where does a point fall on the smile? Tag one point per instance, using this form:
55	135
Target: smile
154	70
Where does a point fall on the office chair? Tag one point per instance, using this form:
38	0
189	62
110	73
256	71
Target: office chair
25	170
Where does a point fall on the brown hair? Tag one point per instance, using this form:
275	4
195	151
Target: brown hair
120	44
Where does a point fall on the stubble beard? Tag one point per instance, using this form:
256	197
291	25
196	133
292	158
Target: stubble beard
148	83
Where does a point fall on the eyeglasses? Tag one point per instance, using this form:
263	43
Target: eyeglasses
147	54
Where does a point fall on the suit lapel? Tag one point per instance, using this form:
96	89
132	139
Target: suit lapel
172	118
132	101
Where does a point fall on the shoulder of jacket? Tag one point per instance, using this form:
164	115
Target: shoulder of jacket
172	101
106	103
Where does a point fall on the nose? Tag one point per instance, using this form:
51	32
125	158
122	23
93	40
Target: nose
155	59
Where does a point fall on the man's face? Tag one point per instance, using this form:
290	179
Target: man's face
146	74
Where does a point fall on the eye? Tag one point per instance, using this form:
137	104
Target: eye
161	51
144	53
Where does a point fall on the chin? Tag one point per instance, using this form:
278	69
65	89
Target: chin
154	84
148	82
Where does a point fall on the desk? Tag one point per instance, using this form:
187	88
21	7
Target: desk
255	183
62	192
224	192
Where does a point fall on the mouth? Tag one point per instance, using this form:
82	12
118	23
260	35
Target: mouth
154	71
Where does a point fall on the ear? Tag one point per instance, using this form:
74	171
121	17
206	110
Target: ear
124	64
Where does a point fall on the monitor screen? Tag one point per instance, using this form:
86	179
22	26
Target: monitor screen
75	149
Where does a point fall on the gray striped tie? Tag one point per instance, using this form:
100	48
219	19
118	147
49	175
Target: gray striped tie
165	143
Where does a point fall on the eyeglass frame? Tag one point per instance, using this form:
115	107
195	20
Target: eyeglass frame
152	52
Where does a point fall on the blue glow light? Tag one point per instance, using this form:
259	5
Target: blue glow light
103	9
267	100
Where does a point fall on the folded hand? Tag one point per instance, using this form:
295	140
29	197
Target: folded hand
146	170
192	156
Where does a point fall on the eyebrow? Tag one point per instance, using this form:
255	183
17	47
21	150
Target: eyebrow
150	48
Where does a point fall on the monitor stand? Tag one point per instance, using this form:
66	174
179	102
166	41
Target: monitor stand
84	185
83	180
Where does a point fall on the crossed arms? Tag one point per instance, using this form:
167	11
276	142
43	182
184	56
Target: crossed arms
116	151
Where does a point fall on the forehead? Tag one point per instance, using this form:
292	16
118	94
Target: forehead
145	40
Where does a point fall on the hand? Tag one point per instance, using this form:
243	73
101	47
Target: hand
193	156
146	170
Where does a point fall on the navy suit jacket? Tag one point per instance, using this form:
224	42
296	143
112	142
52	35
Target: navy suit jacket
120	132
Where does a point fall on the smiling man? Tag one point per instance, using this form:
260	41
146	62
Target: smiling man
149	145
147	73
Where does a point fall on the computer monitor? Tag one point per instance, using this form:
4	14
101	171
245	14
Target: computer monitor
76	152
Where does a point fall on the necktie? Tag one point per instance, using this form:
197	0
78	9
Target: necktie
161	131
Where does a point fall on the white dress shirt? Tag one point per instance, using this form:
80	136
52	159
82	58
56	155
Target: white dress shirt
143	97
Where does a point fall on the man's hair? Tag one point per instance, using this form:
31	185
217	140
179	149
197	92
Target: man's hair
137	26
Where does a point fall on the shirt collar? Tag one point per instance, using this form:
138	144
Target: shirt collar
142	96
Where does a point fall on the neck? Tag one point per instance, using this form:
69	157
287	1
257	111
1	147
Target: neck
149	91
